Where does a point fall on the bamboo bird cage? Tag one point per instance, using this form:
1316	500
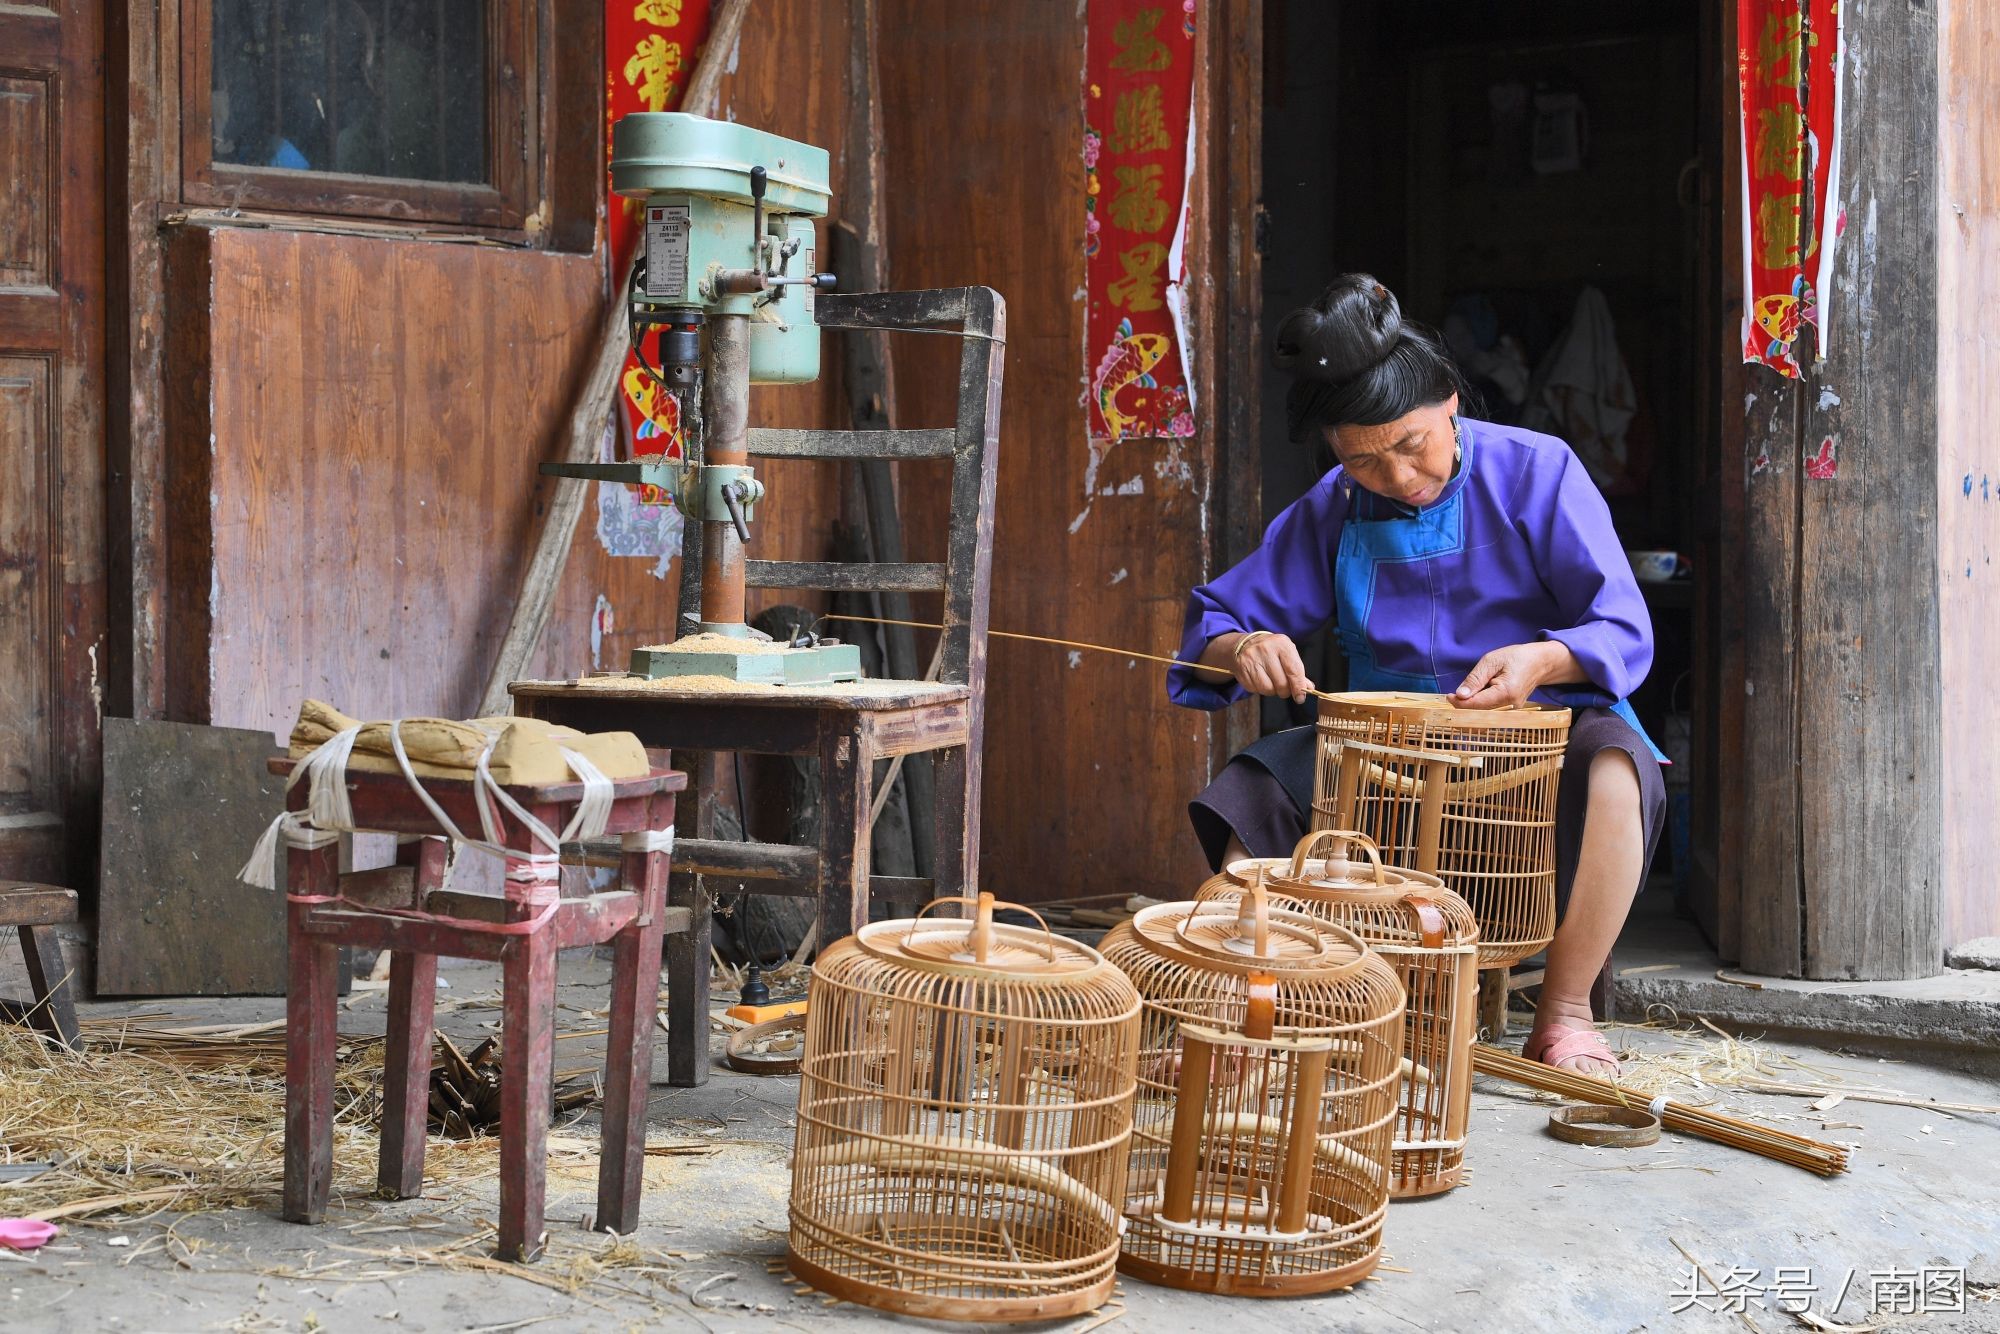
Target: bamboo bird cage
1267	1088
1468	795
965	1103
1427	934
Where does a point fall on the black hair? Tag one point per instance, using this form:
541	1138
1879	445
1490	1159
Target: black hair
1355	361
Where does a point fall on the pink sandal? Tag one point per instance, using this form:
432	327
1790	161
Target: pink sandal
1556	1043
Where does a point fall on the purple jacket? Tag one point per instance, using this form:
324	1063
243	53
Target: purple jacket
1517	548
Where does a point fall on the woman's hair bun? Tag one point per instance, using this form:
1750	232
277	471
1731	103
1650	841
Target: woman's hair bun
1352	327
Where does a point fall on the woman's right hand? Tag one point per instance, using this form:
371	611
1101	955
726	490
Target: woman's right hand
1268	665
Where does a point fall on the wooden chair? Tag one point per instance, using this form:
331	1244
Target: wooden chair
37	910
405	909
847	728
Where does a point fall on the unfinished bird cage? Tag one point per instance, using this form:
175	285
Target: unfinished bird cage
1468	795
1427	934
964	1106
1269	1055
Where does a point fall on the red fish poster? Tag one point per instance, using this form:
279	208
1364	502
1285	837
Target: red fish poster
1138	101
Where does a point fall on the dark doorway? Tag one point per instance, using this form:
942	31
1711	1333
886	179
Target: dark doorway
1512	171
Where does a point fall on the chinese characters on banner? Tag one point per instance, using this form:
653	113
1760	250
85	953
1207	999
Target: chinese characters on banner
1137	155
1788	65
649	53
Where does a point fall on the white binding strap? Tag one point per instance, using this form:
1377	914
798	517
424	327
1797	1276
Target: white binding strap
648	840
594	811
305	838
328	811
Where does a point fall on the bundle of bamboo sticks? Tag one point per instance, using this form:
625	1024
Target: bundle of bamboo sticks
1813	1155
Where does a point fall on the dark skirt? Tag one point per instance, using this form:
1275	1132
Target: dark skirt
1264	795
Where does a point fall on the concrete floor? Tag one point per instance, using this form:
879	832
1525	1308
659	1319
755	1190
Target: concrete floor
1544	1236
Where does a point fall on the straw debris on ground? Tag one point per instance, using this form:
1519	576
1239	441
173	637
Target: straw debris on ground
149	1119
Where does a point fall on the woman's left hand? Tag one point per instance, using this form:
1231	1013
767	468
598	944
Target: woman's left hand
1504	678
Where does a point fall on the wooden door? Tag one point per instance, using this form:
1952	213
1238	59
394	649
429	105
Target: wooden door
51	435
1717	793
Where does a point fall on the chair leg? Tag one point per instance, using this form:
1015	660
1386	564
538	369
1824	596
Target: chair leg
846	840
406	1074
527	1058
628	1060
310	1040
55	999
688	951
956	870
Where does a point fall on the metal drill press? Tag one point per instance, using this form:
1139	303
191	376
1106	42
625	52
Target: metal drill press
725	275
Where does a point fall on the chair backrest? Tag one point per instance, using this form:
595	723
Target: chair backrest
979	317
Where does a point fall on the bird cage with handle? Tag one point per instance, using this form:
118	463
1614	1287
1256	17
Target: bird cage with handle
1267	1088
965	1102
1427	934
1468	795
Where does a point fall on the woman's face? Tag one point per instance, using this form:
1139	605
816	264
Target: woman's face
1408	460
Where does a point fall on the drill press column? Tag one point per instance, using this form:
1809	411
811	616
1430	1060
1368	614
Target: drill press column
725	407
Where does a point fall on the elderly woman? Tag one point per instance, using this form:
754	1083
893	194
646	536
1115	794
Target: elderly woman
1453	556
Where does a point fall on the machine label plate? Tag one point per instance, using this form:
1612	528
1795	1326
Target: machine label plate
666	251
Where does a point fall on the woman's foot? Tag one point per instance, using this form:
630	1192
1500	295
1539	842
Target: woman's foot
1566	1037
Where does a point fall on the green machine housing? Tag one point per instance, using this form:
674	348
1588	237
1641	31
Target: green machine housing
692	175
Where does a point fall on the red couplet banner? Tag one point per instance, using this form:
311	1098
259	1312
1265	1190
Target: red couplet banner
649	53
1137	153
1788	62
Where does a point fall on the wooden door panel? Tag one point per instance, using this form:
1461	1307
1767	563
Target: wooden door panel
51	435
26	132
25	633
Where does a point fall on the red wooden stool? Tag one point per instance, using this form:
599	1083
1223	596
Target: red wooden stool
405	909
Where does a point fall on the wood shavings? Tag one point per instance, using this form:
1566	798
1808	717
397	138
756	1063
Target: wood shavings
714	643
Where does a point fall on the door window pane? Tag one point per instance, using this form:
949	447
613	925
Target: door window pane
392	88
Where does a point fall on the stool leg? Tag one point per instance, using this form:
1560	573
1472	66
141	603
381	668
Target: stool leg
310	1039
688	951
846	841
527	1057
406	1074
628	1060
55	1003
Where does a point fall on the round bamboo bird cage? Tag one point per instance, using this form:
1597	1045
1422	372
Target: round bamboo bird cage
1468	795
1427	934
964	1109
1269	1056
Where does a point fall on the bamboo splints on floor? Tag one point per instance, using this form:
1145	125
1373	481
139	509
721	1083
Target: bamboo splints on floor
1062	643
1813	1155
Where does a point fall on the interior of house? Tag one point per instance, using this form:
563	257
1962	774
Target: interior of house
1528	181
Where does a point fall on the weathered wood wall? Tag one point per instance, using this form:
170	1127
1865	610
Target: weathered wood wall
1841	744
1968	222
354	428
1088	768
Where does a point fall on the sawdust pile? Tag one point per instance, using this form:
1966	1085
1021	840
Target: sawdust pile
714	643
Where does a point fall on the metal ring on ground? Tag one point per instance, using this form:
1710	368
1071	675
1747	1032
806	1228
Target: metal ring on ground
1605	1127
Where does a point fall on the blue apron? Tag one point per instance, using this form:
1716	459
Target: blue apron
1366	544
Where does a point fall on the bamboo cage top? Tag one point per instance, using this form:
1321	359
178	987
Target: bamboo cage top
1415	709
1200	960
1390	907
977	963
